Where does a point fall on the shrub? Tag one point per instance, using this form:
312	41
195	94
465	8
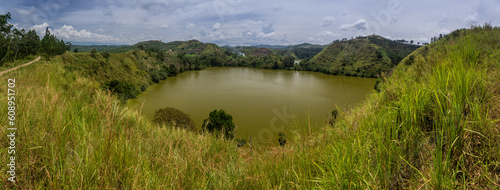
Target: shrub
174	118
125	89
219	122
241	142
105	54
281	139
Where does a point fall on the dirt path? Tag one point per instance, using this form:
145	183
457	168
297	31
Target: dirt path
8	70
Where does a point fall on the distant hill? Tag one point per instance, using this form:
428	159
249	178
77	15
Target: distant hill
157	44
363	56
299	51
260	52
102	48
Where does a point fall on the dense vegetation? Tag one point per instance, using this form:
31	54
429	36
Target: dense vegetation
434	124
219	122
174	117
16	44
364	56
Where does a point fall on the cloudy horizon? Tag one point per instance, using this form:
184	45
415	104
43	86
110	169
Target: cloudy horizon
239	22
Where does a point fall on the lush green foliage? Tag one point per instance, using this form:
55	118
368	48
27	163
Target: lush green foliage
18	44
50	45
219	122
433	125
173	117
364	56
126	74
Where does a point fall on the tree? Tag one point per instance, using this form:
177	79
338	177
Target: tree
219	122
288	61
174	118
93	52
31	42
75	50
5	26
50	45
16	43
411	41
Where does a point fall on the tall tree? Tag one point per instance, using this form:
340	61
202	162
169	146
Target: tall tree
31	42
288	61
5	26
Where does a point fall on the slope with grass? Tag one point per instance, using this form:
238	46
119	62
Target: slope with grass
434	124
125	74
365	57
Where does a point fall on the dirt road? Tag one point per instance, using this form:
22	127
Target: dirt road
8	70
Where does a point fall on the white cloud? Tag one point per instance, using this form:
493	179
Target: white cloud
471	19
328	33
359	25
444	31
423	39
328	21
190	26
216	26
265	35
164	26
68	33
249	22
40	29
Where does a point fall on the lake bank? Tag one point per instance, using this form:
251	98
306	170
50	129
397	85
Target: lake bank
263	102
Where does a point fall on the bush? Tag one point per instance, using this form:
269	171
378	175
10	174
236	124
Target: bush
241	142
105	54
219	122
281	139
125	89
174	118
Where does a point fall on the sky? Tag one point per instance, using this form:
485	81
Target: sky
245	22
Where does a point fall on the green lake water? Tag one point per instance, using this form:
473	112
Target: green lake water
262	102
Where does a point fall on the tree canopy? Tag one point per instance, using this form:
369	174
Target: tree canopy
173	117
17	43
219	122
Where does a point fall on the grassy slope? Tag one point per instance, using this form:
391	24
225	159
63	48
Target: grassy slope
361	57
448	98
435	124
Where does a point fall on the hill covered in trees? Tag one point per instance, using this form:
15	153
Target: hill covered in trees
364	56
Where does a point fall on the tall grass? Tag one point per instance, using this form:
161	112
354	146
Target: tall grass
434	125
430	127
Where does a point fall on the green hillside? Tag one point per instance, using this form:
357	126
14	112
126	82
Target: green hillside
158	45
363	56
299	51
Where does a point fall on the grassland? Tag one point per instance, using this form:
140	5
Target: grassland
433	125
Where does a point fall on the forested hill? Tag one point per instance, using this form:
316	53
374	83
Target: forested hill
299	51
364	56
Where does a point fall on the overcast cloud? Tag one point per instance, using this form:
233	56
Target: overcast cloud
244	22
